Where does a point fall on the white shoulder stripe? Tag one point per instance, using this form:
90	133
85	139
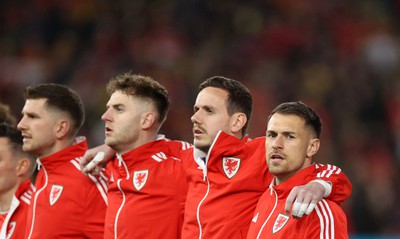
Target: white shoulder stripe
76	164
103	184
159	157
331	169
28	194
25	199
186	145
331	219
103	176
327	223
103	191
321	222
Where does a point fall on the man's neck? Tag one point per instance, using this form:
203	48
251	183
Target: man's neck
6	199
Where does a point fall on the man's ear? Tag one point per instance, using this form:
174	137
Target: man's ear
62	128
238	122
147	120
313	147
23	167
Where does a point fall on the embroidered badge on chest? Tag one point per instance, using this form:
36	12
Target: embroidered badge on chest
231	166
280	222
11	229
55	193
140	178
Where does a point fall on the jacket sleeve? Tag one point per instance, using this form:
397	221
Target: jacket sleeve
95	207
327	221
179	149
341	186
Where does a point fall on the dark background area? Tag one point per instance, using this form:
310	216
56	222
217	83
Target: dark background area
341	57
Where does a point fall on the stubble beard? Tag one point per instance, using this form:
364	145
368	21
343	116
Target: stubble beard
276	168
203	147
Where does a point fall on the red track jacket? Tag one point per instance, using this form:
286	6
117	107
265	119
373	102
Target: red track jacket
66	203
223	192
326	221
15	221
147	195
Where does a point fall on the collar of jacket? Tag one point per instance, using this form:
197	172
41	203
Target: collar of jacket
300	178
224	145
155	150
76	150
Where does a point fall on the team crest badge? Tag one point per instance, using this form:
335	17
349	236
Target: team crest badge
231	166
280	222
11	229
140	178
55	193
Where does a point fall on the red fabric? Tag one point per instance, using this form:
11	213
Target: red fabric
17	222
153	208
66	203
2	218
326	221
219	207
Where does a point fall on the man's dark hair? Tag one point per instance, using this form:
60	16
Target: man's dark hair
303	111
15	140
142	87
14	136
239	97
6	116
59	97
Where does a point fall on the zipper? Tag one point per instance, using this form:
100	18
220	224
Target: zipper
119	209
272	211
205	178
121	162
37	195
198	209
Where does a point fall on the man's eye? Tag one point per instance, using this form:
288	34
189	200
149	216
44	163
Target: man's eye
270	135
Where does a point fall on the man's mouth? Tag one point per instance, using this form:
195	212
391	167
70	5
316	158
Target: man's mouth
26	137
276	157
108	130
197	131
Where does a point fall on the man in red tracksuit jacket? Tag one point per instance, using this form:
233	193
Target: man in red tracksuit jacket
15	220
148	189
226	174
326	221
65	203
15	187
292	140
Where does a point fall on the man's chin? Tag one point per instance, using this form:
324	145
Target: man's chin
27	148
202	147
110	143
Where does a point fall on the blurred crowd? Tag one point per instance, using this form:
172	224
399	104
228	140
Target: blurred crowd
340	57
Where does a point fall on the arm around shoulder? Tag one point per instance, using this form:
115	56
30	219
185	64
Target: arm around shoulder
341	185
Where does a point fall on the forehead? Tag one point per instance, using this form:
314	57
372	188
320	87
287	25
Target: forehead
212	96
37	106
35	103
118	97
286	123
